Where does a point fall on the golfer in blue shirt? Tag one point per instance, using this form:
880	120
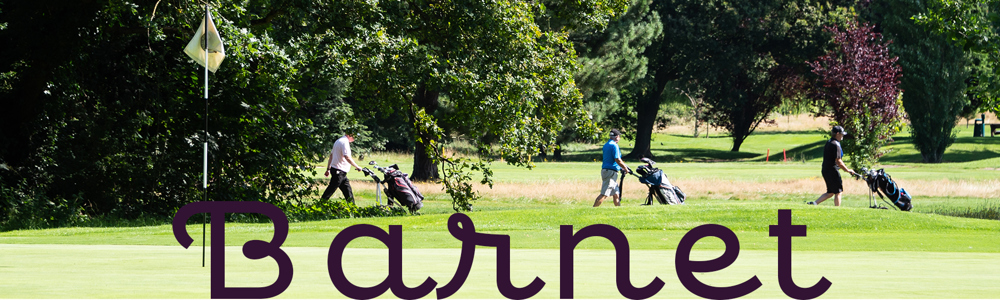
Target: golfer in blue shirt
612	164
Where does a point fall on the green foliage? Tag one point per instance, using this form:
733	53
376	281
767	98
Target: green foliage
869	135
456	169
613	57
744	56
973	26
24	207
116	120
331	209
610	59
483	71
457	180
934	76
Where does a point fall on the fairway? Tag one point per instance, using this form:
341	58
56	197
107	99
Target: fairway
864	253
82	271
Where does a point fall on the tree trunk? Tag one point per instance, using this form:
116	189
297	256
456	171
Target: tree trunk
557	153
737	142
541	152
696	104
740	132
696	134
647	109
933	157
424	166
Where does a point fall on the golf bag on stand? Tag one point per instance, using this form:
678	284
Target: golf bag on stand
879	182
399	190
658	185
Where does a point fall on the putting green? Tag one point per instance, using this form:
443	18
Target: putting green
112	271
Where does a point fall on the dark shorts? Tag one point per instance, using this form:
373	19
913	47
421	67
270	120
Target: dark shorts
834	184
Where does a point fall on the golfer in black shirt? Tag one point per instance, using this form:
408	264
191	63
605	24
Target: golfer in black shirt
833	156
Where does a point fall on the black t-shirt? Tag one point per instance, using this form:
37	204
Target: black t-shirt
831	152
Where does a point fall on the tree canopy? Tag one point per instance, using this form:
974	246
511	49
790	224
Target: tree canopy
743	56
973	25
935	72
859	81
103	115
110	120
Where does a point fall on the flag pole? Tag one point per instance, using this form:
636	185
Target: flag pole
205	168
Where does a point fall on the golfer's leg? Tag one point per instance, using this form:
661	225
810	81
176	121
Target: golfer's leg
332	187
345	187
836	199
606	184
615	189
823	197
599	200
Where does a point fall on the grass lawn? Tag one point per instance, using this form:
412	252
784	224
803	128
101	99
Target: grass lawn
865	253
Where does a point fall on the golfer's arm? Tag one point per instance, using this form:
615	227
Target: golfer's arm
840	162
329	161
351	160
621	163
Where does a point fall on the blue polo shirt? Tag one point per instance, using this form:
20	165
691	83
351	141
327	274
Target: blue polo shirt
611	152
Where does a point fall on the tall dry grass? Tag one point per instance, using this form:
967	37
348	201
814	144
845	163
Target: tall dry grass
584	191
802	122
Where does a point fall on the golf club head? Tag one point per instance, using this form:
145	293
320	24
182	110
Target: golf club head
371	163
647	160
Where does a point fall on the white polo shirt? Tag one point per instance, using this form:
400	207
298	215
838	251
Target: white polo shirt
341	148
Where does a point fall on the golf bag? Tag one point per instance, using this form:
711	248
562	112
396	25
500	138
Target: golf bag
658	185
399	187
399	190
879	182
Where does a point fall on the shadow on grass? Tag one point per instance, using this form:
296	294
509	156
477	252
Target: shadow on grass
952	154
667	155
800	153
806	152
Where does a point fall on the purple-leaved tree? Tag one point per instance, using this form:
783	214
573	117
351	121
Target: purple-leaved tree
859	81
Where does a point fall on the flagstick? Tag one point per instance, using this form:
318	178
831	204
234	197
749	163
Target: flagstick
205	169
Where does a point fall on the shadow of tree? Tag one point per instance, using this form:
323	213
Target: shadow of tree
951	155
801	153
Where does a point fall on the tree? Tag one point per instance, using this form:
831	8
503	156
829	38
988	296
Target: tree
611	57
859	81
973	25
610	60
743	56
934	75
107	115
697	103
481	71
